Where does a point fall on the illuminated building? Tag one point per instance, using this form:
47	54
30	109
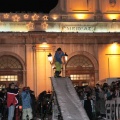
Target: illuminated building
84	30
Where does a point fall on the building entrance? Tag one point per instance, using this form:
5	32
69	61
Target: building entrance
11	70
81	71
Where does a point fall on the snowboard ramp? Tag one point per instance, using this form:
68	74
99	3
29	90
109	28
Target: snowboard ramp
68	102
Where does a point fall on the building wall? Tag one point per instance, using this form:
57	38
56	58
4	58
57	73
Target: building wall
88	30
109	57
43	69
38	70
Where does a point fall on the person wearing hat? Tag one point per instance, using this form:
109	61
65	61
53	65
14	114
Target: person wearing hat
59	55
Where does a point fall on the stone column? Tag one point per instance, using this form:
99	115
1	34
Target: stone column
97	6
98	14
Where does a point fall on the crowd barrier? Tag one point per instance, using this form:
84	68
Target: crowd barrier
113	109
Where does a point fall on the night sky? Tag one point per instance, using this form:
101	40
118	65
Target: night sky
39	6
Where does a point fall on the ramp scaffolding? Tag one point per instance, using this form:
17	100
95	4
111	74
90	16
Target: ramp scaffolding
66	101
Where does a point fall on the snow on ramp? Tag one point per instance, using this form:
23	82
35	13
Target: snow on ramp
68	100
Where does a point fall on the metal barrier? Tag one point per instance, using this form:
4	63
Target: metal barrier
113	109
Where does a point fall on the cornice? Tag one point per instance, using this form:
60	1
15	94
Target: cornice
58	38
41	33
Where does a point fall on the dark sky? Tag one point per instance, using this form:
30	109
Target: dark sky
40	6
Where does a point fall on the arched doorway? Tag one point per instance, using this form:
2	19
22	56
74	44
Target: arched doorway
81	70
11	70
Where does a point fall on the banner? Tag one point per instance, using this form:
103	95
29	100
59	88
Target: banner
113	109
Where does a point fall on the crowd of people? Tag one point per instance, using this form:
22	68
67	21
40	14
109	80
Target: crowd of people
94	98
17	104
21	104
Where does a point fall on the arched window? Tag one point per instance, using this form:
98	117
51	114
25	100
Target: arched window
81	70
11	70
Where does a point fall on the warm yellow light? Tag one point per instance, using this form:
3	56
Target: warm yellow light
112	16
66	57
80	16
114	48
55	17
45	17
35	17
30	25
44	45
6	16
50	57
16	18
44	25
26	16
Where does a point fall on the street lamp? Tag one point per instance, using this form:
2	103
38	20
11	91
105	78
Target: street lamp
50	58
66	57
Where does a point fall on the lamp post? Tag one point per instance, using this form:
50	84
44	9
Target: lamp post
50	58
66	57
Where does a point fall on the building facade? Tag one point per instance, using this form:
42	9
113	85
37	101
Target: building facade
84	29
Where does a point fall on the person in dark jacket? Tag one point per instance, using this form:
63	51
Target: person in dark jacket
33	103
88	105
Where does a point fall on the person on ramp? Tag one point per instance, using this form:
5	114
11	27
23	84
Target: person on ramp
58	58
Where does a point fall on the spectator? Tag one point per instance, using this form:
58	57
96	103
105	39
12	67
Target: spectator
108	94
33	104
17	114
26	104
11	100
88	105
102	103
97	106
3	103
100	94
117	91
